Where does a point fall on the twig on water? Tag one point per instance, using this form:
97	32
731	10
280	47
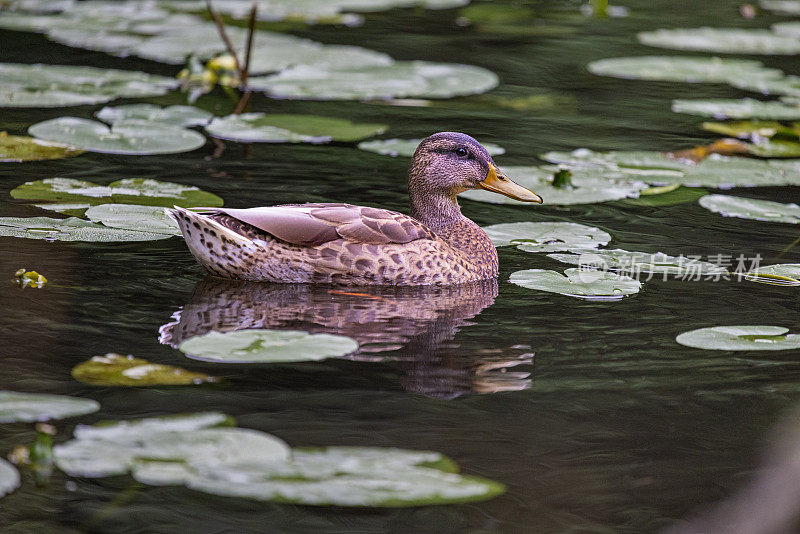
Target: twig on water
223	34
244	73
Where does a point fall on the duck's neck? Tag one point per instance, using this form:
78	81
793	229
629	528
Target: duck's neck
434	210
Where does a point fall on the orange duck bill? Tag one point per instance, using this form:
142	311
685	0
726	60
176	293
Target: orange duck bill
497	182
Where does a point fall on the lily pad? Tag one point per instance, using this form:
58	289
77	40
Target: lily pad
781	7
775	148
277	128
670	197
547	236
748	208
682	69
785	85
80	193
748	129
588	186
125	430
745	108
407	147
266	346
172	115
633	159
134	217
118	370
398	80
29	407
9	478
640	262
787	29
722	40
17	148
136	137
588	284
70	229
745	337
782	274
59	85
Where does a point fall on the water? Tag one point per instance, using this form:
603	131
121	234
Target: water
610	427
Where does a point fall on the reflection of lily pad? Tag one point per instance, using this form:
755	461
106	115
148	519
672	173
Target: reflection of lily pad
547	236
595	285
681	69
407	147
266	346
129	136
756	337
745	108
781	274
263	128
640	262
9	478
28	407
71	229
721	40
118	370
128	191
748	208
400	79
172	115
133	217
21	148
588	186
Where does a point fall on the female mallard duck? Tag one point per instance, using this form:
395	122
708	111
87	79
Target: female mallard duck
347	244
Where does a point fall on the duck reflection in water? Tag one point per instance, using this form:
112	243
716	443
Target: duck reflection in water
411	325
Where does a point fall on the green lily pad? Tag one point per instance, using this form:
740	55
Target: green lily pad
672	197
126	430
747	129
59	85
593	285
71	229
116	43
748	208
17	148
682	69
134	217
9	478
745	337
785	85
263	128
721	40
266	346
136	137
547	236
588	186
407	147
745	108
787	29
173	115
634	159
80	193
118	370
775	148
640	262
398	80
782	274
781	7
28	407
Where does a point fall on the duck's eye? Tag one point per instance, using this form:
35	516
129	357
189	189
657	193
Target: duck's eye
462	152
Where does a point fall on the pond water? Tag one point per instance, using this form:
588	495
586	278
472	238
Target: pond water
590	412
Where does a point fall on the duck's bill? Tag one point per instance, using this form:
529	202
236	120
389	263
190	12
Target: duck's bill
497	182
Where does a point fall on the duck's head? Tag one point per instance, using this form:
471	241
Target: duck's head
448	163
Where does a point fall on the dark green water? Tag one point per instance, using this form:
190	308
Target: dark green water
616	429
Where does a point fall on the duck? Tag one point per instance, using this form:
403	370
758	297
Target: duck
346	244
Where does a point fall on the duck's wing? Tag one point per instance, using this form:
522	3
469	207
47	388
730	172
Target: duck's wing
315	224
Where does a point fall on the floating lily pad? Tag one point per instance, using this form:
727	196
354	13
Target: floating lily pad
71	229
646	161
80	193
266	346
722	40
671	197
547	236
407	147
29	407
745	108
118	370
748	129
136	137
787	29
172	115
116	43
400	79
682	69
59	86
16	148
126	430
588	186
781	7
746	337
134	217
775	148
594	285
781	274
785	85
640	262
748	208
9	478
276	128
